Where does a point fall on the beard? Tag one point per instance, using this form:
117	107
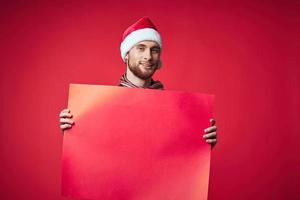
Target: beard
144	73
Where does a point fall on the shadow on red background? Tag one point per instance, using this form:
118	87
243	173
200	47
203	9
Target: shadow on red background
246	53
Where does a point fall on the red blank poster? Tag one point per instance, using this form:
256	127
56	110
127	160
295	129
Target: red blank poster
136	144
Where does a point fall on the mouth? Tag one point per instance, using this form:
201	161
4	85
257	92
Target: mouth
147	65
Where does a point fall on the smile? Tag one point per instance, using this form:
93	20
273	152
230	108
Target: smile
147	65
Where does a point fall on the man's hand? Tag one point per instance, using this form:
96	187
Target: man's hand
65	119
210	135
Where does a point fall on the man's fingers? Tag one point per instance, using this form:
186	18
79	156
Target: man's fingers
211	141
65	126
66	110
212	135
210	129
65	114
212	122
66	121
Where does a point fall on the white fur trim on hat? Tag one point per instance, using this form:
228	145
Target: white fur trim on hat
138	36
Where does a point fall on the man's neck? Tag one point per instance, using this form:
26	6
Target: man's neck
136	80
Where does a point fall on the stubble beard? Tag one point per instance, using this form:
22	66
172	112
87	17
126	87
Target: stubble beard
137	71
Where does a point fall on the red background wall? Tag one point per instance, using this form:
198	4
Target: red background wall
244	52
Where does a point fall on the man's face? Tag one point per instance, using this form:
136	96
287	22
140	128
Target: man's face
143	59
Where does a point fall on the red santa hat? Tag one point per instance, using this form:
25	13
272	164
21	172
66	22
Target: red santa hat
141	30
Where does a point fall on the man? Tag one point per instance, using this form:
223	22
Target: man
140	50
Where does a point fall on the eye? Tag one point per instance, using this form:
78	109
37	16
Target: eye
155	50
140	48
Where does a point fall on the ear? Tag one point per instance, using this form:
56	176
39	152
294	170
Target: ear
126	58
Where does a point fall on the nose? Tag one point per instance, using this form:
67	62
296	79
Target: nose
147	54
